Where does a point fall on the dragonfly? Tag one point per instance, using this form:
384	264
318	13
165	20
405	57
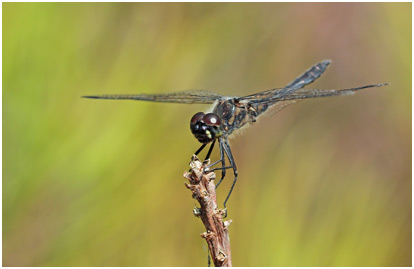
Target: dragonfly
232	113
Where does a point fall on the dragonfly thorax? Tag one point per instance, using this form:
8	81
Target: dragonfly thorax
206	127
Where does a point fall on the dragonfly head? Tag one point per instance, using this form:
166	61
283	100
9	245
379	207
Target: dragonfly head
206	127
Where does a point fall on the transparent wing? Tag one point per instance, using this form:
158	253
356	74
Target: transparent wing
275	108
270	106
306	78
315	93
183	97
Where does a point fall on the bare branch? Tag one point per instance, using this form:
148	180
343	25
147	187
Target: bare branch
217	235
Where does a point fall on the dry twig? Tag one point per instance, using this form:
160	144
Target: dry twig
217	234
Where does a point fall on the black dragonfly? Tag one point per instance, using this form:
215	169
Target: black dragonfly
230	114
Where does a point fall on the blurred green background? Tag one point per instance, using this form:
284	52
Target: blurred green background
325	182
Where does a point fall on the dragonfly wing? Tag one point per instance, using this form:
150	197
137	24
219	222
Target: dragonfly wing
274	106
315	93
306	78
183	97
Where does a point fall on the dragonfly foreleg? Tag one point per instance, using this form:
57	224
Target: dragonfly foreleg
210	150
199	150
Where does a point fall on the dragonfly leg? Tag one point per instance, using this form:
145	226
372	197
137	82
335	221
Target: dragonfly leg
224	150
233	165
223	163
200	149
210	150
222	159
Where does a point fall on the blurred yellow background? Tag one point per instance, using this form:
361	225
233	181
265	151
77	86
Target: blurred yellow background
325	182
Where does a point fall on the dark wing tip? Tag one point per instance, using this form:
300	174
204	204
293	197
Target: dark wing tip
91	96
377	85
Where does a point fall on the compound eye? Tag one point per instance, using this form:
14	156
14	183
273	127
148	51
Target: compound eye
196	117
212	119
